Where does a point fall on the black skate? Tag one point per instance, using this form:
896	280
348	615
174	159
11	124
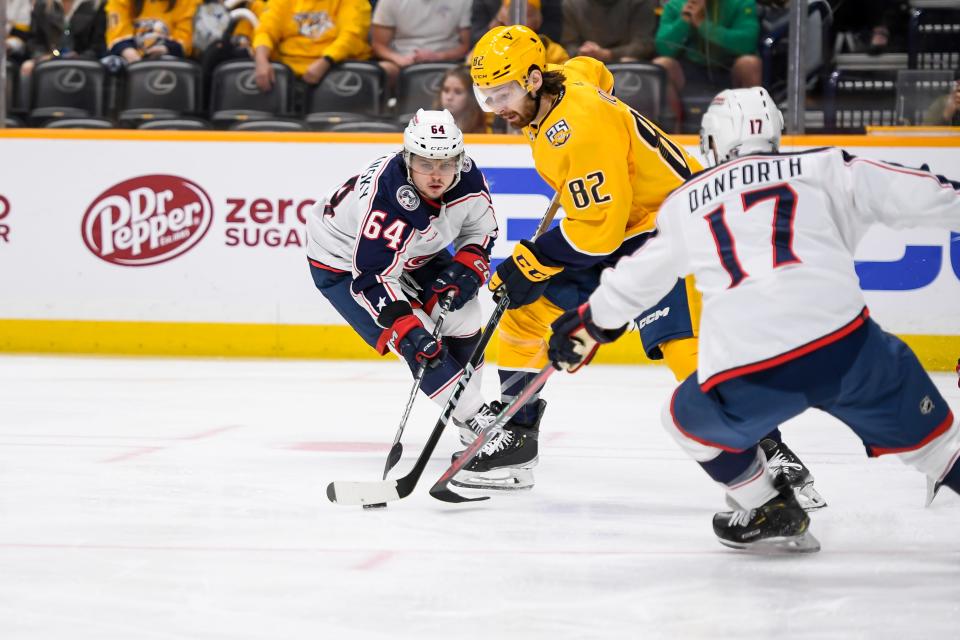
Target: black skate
787	468
472	428
506	461
780	525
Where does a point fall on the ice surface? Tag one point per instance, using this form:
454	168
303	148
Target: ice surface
184	499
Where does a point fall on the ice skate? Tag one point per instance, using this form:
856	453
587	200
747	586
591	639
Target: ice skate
472	428
788	469
505	463
780	525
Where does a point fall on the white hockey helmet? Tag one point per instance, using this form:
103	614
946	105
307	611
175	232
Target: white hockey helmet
738	122
434	135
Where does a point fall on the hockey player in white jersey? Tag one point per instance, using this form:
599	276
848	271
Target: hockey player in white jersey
770	239
377	248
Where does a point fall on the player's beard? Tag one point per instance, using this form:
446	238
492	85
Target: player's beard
526	114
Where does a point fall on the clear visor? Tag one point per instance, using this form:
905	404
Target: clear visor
494	99
429	166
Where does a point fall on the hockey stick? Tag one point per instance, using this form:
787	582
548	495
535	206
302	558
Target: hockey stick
440	490
373	492
396	451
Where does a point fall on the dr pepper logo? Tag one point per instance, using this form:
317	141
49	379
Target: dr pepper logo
147	220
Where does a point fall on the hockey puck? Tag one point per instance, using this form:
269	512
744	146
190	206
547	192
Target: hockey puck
378	505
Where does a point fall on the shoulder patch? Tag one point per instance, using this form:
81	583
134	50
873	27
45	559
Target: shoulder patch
408	198
559	133
467	164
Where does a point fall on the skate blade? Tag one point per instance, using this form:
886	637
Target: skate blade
507	479
809	498
932	489
778	545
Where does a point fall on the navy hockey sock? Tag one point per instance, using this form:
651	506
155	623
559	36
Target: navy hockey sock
728	466
440	376
462	348
511	384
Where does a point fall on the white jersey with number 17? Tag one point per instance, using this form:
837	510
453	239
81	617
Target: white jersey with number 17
769	239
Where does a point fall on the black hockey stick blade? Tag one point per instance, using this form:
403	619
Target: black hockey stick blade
440	489
449	496
396	452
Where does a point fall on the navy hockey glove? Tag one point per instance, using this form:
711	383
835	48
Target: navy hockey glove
576	338
464	277
415	343
524	275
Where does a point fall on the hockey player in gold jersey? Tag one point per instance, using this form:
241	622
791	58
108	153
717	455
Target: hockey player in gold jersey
612	168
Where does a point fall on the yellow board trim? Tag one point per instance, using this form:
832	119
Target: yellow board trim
334	342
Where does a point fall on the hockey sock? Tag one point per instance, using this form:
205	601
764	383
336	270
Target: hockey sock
743	475
461	349
512	383
728	466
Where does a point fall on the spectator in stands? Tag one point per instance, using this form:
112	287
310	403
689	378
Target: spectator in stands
18	28
872	24
310	37
543	16
609	30
406	32
224	32
65	29
138	29
456	96
708	43
534	19
945	110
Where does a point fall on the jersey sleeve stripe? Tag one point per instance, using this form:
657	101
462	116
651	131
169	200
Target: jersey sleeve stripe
910	172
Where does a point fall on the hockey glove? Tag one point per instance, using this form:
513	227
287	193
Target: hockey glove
576	338
524	275
465	275
415	343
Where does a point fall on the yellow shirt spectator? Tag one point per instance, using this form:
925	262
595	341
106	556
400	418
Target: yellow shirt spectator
150	28
299	32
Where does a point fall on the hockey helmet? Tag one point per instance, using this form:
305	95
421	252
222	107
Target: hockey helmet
738	122
504	55
433	135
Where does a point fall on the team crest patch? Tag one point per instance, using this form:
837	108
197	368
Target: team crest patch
408	198
467	164
558	133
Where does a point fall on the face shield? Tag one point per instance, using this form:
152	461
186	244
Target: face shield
495	99
445	167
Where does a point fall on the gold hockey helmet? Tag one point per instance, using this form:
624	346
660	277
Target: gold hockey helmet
507	53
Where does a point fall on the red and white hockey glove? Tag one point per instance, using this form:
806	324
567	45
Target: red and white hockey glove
464	277
576	338
415	344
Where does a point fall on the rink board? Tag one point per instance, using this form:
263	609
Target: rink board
180	243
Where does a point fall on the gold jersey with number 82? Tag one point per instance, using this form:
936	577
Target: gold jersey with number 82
612	167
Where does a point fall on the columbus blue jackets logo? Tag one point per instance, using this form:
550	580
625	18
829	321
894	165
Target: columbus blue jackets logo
408	198
467	164
559	133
